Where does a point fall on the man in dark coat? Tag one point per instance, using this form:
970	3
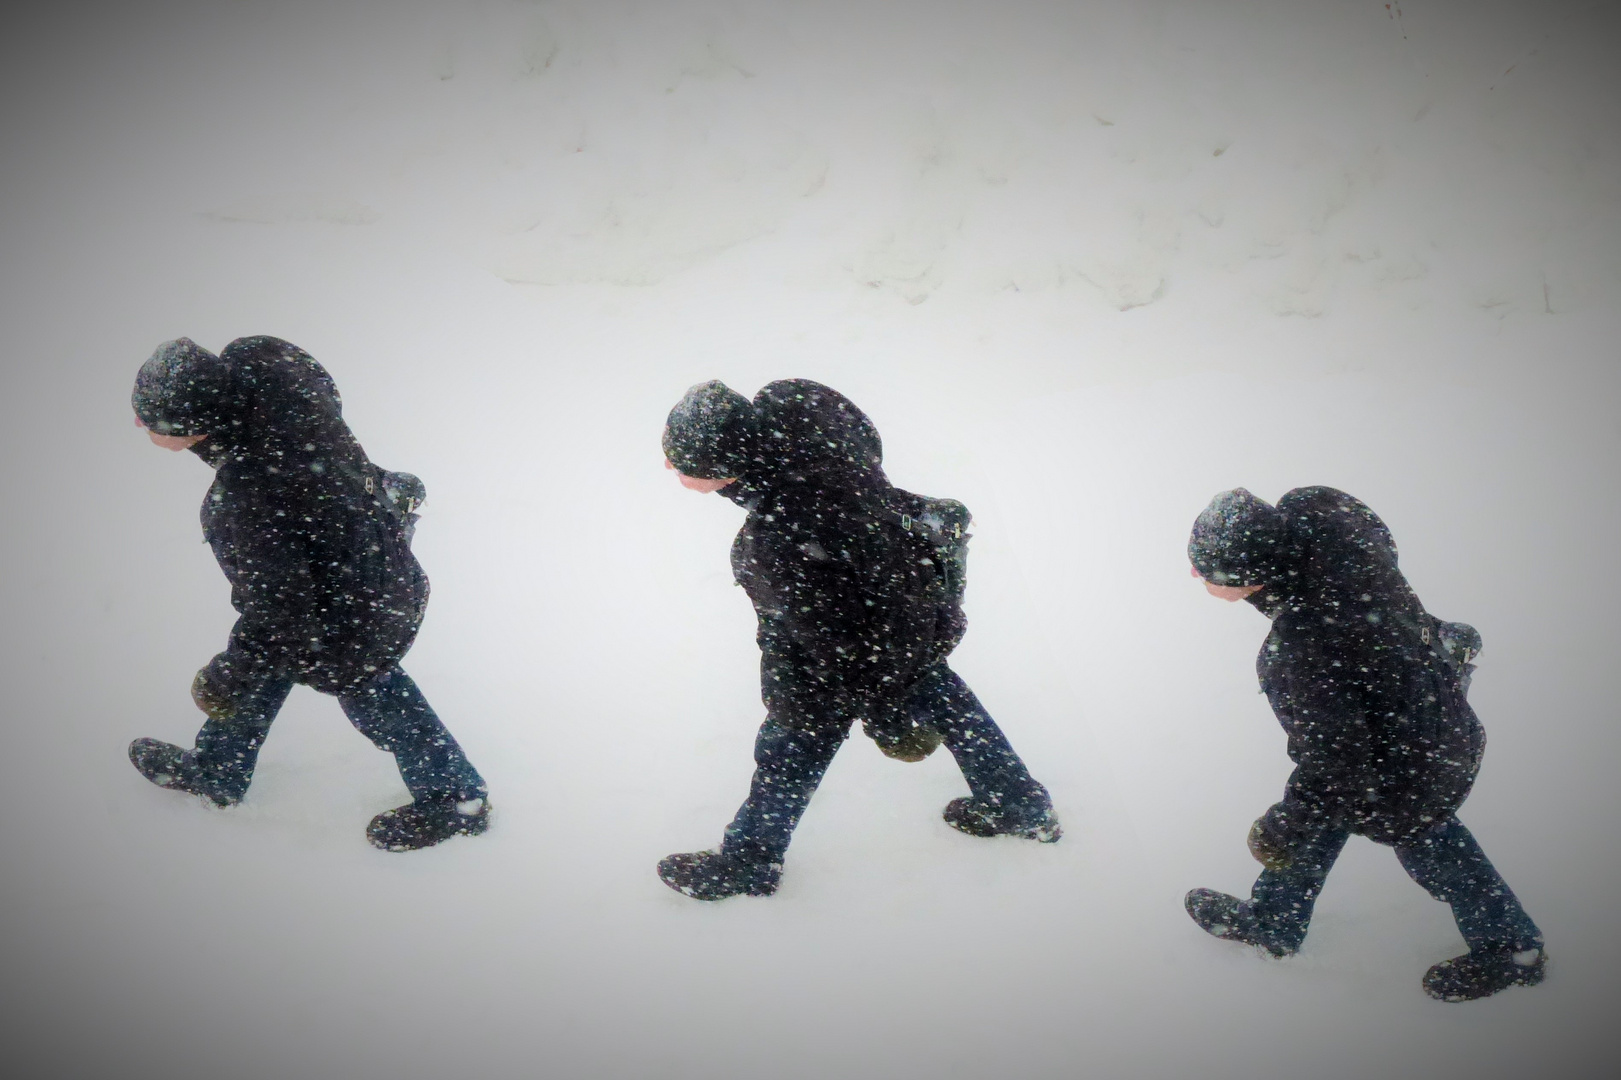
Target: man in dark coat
315	541
1370	690
857	612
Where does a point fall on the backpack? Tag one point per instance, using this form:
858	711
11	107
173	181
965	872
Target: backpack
1460	643
403	493
939	527
932	537
1454	644
1444	739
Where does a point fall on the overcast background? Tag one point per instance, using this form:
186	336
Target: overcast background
1084	263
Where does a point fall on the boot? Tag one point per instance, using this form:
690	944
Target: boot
982	819
709	875
168	766
427	822
1482	972
1230	918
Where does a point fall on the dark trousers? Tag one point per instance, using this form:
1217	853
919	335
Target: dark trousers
389	710
790	762
1445	860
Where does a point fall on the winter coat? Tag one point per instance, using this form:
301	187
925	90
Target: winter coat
1383	740
316	552
849	608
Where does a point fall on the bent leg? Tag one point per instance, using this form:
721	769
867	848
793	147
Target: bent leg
391	712
995	774
241	700
1450	865
1283	900
789	764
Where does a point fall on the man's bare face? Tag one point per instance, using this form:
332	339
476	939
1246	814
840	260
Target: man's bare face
170	442
694	483
1229	593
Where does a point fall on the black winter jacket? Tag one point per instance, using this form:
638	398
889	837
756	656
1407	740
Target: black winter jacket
1383	740
316	553
848	606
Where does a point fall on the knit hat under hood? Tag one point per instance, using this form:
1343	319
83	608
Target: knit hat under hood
1238	540
708	433
183	389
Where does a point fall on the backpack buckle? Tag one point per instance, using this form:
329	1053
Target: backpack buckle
906	522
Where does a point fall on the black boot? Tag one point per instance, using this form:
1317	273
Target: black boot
709	875
1482	972
427	822
1231	919
982	819
168	766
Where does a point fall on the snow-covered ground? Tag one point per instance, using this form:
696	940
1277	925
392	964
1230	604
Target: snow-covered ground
1084	263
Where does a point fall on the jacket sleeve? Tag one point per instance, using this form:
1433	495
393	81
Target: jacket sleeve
829	611
832	623
276	587
1331	745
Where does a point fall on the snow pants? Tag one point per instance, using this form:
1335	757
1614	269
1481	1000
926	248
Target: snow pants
791	760
1446	860
388	709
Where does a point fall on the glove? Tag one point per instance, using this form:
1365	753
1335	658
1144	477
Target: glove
1268	848
212	690
905	741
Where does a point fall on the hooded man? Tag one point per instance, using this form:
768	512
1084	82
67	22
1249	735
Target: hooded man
856	586
1370	690
315	541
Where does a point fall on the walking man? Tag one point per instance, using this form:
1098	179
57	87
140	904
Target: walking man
1370	690
857	588
315	541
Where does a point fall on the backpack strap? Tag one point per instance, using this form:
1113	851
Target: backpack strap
1455	644
404	491
940	523
395	496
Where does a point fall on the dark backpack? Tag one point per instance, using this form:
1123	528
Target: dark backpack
1453	644
1460	643
931	548
1444	738
388	501
937	529
403	493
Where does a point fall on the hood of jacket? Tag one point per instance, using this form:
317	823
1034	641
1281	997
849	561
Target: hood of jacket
1338	560
808	434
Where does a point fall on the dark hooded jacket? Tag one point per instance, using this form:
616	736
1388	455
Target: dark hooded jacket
1383	740
316	553
849	610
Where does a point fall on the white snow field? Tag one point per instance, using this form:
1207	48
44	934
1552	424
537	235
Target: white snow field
1084	263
